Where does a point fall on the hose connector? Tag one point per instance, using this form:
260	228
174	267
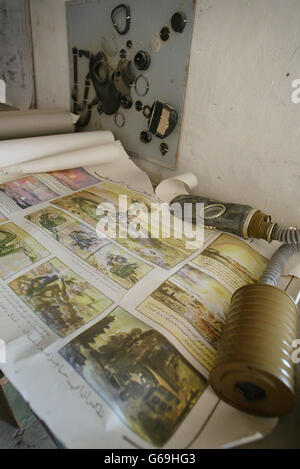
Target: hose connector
239	220
260	226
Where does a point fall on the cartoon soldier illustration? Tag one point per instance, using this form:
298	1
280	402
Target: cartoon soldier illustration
51	222
82	239
119	266
45	286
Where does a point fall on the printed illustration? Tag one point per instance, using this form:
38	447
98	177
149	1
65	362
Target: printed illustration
111	193
27	192
117	264
138	373
173	236
75	179
59	297
81	240
51	220
2	217
83	204
106	257
198	298
183	330
233	260
155	251
72	234
166	242
18	250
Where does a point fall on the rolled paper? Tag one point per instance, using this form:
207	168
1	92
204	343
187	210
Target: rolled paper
91	156
20	124
168	189
22	150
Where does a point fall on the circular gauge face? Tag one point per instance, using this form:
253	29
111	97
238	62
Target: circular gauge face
212	211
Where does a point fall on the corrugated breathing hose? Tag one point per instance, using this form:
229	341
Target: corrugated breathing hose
275	268
286	235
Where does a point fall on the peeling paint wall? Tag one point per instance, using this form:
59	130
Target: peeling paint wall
241	131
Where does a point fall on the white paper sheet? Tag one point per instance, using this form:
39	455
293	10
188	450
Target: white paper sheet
77	408
80	405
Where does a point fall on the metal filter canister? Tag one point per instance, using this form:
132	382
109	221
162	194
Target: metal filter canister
254	371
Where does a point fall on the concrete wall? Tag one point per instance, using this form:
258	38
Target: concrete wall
50	49
241	131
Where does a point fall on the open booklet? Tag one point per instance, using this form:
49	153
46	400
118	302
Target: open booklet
111	341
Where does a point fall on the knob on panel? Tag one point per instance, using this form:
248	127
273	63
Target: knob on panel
146	137
142	60
178	22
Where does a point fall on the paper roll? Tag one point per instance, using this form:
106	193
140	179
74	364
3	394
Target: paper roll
20	124
26	112
22	150
179	185
98	155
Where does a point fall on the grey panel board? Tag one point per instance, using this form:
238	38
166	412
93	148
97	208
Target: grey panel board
89	21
